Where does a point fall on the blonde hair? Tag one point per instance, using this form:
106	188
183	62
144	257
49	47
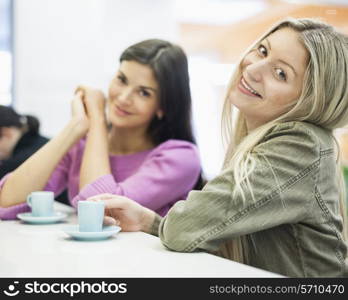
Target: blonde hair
323	101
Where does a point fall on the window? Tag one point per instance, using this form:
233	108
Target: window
6	52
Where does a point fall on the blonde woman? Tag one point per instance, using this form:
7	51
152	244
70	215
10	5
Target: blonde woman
279	202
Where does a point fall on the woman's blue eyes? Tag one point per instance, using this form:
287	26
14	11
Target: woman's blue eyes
262	50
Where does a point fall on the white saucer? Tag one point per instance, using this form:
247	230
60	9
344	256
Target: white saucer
29	218
73	231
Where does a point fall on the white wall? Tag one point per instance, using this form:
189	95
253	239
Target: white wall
62	43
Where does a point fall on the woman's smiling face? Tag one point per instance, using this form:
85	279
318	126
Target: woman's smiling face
271	78
133	96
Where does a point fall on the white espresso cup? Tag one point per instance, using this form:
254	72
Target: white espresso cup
90	216
41	203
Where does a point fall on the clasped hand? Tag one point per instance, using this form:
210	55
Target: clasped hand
93	100
88	105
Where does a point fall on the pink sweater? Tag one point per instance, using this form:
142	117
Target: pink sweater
154	178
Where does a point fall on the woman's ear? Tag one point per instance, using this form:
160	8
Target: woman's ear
160	114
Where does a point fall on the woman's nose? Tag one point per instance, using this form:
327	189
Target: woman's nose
256	70
125	96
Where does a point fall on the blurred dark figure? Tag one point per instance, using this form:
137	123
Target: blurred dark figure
19	139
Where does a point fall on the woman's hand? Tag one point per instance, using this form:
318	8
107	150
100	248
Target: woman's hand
94	101
126	213
79	114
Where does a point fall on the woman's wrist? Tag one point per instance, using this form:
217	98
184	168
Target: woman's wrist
78	127
147	221
155	225
97	121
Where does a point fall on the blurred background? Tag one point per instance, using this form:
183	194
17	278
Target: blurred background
48	47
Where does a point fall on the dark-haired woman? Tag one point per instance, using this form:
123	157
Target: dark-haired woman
19	138
145	150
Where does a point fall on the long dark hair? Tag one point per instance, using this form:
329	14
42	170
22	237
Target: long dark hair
10	118
170	67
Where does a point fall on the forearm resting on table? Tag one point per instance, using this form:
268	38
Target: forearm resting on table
34	173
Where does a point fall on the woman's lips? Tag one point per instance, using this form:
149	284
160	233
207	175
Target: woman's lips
119	111
245	91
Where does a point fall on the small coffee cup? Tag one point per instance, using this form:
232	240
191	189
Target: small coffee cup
90	216
41	203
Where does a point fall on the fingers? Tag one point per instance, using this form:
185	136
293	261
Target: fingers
109	221
112	201
117	202
100	197
79	93
78	96
81	89
85	89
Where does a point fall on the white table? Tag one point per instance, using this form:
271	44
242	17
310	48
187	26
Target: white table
46	251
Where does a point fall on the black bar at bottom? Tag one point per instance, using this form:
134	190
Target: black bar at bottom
172	288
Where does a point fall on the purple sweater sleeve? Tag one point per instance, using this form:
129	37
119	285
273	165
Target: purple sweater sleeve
10	213
167	174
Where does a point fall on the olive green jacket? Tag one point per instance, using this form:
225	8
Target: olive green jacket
292	226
